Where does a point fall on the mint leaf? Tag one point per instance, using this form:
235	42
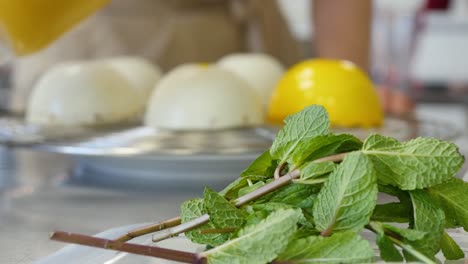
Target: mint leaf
450	248
400	233
322	146
298	195
269	207
250	188
257	216
403	196
312	121
416	164
258	212
429	218
346	247
313	170
263	166
407	234
311	181
376	141
388	251
386	232
304	232
351	188
452	197
192	209
261	211
392	212
222	213
231	191
250	246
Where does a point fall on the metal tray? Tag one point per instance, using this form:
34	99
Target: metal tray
136	157
130	140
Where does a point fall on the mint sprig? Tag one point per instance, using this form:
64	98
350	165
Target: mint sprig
308	198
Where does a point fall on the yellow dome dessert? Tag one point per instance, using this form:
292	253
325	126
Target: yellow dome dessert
340	86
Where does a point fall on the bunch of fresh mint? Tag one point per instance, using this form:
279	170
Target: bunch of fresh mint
308	198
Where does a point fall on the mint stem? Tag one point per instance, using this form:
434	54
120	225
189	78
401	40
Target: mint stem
283	180
412	251
217	231
404	246
278	169
150	229
174	231
152	251
326	232
267	188
317	181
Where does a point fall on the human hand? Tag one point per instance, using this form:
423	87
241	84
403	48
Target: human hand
395	102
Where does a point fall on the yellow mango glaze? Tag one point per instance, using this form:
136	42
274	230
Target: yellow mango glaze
31	25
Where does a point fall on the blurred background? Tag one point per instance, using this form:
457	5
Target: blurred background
417	46
418	64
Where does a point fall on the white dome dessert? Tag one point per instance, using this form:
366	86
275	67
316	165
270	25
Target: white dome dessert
260	71
181	73
82	93
209	98
140	73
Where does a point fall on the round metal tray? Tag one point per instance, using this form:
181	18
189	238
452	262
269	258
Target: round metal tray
138	141
137	157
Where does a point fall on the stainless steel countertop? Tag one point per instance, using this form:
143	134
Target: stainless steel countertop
37	198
